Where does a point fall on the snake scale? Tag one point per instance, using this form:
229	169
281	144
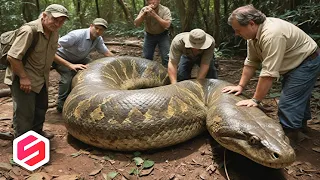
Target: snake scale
126	104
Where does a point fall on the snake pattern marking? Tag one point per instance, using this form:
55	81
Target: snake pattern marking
126	104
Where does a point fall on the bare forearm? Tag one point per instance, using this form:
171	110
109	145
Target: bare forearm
108	54
138	21
247	73
203	71
172	72
263	87
61	61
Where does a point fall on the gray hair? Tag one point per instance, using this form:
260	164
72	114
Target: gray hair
246	13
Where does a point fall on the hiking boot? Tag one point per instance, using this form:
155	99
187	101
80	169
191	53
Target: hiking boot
295	135
46	134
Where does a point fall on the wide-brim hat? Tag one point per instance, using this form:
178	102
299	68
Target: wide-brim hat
57	10
197	39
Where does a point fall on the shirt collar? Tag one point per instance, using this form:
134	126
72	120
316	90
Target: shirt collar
258	35
88	34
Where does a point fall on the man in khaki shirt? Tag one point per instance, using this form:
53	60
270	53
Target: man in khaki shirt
157	20
188	49
283	49
28	77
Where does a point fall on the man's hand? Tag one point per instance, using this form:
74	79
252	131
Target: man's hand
25	84
233	89
247	102
76	67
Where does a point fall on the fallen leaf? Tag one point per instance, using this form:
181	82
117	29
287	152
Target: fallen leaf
204	175
5	166
134	171
76	154
147	164
316	149
111	161
145	172
172	176
112	174
95	172
68	177
94	157
136	154
39	176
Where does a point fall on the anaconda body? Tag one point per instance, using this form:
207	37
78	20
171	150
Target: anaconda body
124	103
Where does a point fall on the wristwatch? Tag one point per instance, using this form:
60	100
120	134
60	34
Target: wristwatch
256	101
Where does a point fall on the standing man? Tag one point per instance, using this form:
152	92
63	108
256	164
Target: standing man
28	77
72	54
280	48
157	20
187	49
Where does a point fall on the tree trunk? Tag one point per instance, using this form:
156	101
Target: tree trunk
191	11
134	6
182	11
125	10
216	25
28	7
97	8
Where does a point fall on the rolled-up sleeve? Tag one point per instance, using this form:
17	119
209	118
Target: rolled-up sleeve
274	49
252	55
100	46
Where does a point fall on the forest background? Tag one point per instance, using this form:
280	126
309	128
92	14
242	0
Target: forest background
209	15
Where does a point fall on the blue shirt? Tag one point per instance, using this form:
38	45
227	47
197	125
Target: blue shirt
76	45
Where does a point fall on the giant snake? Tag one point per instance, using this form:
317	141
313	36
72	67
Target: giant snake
126	104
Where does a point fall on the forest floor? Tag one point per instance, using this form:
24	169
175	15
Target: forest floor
198	158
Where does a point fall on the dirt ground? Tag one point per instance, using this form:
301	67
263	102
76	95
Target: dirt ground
198	158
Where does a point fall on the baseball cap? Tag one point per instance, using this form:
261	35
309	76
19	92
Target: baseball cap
57	10
197	39
101	22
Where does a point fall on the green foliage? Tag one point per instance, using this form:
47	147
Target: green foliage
125	29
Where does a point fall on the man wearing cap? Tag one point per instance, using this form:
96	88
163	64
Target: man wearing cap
72	54
157	20
187	49
28	74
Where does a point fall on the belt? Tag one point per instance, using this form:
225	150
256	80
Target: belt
163	33
315	54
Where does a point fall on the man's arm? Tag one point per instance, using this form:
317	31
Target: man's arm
18	69
75	67
247	73
172	71
138	21
262	89
164	23
203	71
108	54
